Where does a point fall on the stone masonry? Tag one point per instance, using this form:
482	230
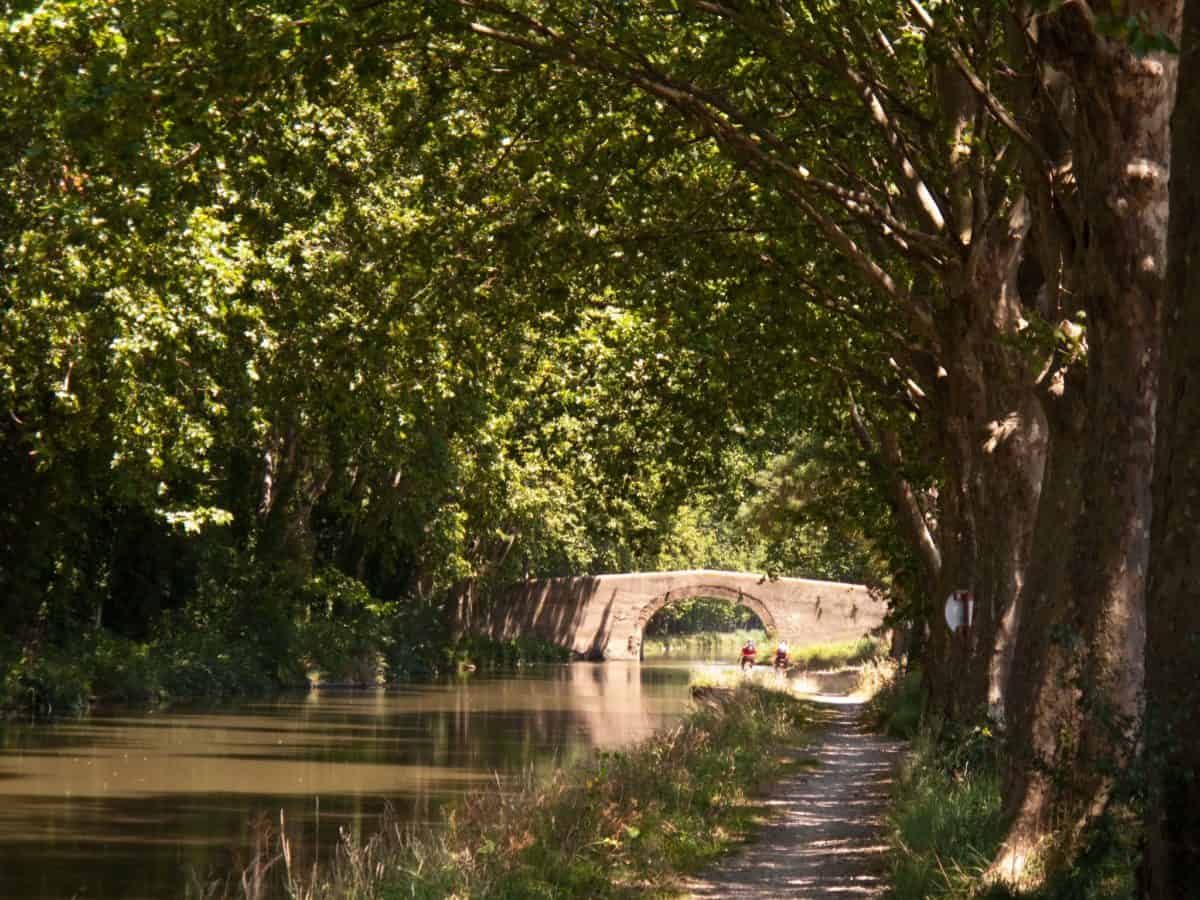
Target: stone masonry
603	616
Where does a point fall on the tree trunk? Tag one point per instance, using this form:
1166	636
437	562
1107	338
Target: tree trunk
995	445
1172	855
1040	703
1123	153
1093	637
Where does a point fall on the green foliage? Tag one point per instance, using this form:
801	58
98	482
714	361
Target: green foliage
946	828
1136	31
822	514
51	683
697	614
636	816
200	662
227	643
344	629
485	652
1106	864
837	654
293	347
946	824
722	645
897	707
415	640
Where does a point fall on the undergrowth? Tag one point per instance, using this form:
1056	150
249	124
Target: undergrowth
486	652
896	705
946	825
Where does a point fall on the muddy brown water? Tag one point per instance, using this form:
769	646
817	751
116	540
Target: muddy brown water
132	805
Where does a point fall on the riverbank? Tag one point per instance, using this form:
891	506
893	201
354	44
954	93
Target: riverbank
727	645
188	662
631	822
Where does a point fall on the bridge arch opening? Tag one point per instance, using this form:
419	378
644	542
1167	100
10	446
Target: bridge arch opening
690	592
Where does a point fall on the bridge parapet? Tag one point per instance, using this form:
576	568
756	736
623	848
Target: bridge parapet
603	616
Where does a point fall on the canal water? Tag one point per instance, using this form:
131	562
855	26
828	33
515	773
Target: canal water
134	805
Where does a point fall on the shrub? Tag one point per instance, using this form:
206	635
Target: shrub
416	636
50	683
487	652
122	669
342	633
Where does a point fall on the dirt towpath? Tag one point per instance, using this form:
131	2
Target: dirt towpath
825	838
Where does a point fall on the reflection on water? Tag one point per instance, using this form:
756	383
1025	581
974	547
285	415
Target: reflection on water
123	805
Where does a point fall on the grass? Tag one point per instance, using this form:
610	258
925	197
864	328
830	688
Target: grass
945	826
837	655
897	702
626	825
728	645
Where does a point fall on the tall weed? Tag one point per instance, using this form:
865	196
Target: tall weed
897	703
946	824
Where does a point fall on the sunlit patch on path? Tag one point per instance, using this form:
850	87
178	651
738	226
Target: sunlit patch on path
826	834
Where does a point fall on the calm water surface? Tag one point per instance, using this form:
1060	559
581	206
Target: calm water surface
131	805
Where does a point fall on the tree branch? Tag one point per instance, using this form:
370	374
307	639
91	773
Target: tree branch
885	460
993	103
915	183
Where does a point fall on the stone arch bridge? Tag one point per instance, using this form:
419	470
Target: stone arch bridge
603	616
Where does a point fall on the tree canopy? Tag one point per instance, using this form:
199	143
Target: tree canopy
381	300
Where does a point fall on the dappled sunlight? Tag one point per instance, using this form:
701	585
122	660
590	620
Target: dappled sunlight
825	838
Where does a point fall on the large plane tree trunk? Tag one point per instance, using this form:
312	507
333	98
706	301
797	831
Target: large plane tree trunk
994	444
1121	146
1040	698
1124	104
1172	856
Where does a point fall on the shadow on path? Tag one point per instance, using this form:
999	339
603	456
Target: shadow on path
825	838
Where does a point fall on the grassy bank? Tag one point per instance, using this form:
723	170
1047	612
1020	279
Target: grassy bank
946	828
727	645
837	654
946	824
626	825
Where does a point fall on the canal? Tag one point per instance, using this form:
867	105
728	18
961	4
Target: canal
135	804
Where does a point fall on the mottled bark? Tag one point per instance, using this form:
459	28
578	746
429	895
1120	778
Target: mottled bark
1173	595
1041	706
1123	150
994	442
1093	635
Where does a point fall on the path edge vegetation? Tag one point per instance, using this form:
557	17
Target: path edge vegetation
629	823
946	822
